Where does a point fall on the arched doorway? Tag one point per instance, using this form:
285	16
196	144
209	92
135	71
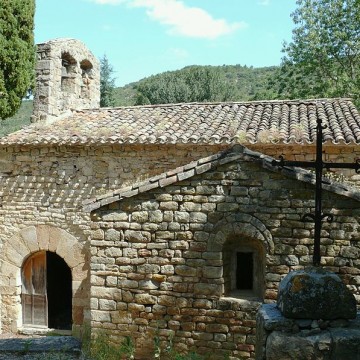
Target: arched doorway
46	294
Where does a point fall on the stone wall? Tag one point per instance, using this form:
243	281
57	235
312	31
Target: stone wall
157	257
43	188
331	153
67	77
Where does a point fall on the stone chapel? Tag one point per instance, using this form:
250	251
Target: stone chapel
165	220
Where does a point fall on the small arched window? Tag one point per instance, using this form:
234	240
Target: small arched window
244	262
86	66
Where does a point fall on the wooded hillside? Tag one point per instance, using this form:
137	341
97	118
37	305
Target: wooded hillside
224	83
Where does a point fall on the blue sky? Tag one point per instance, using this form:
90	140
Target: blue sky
146	37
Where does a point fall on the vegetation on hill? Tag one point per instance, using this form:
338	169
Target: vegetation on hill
19	120
200	84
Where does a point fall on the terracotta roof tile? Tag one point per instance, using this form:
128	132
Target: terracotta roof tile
290	121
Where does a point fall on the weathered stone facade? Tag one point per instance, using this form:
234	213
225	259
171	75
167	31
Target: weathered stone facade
42	193
158	257
152	264
153	229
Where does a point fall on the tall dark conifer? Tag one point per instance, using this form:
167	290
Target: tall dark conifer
107	83
17	53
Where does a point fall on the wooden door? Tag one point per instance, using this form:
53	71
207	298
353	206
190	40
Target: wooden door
34	295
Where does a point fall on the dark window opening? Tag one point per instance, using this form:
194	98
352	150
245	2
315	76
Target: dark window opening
86	66
46	291
244	271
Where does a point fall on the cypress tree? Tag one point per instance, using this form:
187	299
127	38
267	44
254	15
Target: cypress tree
107	83
17	53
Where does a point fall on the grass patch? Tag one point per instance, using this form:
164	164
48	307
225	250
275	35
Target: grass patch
100	348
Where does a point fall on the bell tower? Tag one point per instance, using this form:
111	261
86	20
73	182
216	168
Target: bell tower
67	77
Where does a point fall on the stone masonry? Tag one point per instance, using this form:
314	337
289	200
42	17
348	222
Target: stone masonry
67	77
157	257
42	191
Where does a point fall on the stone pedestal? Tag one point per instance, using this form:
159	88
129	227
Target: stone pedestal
315	318
279	338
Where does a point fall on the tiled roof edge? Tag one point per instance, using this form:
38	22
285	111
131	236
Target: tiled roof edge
205	164
165	179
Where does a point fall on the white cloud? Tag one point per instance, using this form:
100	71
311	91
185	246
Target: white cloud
187	21
181	19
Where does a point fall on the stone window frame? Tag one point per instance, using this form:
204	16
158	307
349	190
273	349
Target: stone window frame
243	229
232	247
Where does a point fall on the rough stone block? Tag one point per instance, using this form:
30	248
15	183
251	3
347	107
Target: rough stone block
207	289
107	304
315	293
184	270
198	217
155	216
112	235
30	238
212	272
145	299
181	216
116	216
137	236
140	216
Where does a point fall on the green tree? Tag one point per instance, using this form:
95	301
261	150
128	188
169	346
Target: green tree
323	58
191	84
17	53
107	83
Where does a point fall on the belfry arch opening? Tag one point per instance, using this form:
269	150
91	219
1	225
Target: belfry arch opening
46	294
68	73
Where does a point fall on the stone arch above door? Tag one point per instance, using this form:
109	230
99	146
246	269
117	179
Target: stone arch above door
29	241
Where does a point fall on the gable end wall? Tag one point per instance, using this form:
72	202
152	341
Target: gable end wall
157	263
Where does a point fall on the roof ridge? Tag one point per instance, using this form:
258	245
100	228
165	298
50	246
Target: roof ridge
215	103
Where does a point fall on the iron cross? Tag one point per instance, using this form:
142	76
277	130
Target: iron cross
318	216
